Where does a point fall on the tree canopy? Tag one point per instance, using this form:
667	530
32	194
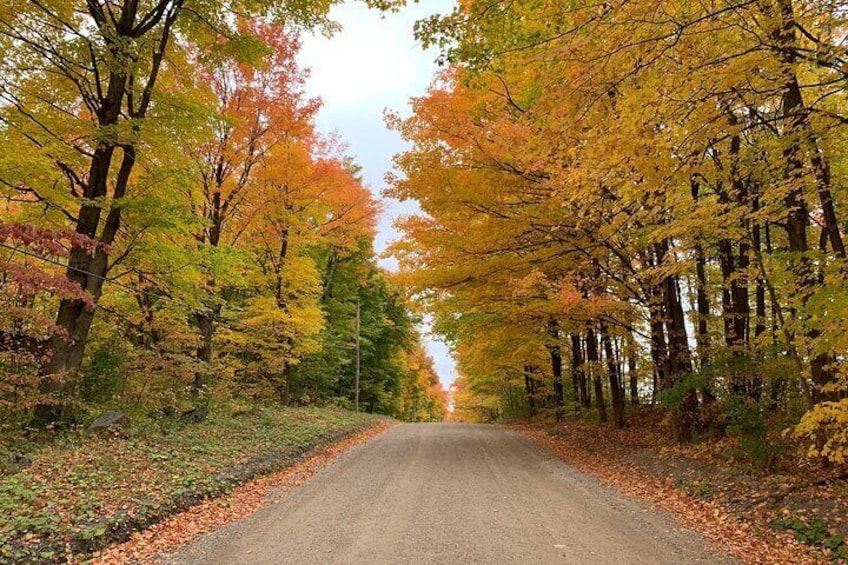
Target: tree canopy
653	189
174	228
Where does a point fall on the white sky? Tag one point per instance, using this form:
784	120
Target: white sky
374	64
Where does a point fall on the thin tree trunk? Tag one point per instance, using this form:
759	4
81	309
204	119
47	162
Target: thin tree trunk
702	299
759	298
632	370
703	306
358	357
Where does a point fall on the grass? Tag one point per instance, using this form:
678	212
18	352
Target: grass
80	493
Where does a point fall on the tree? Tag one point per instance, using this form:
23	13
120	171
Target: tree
257	110
633	155
88	89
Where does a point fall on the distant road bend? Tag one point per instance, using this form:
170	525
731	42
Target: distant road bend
450	493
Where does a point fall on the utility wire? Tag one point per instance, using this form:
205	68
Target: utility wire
87	273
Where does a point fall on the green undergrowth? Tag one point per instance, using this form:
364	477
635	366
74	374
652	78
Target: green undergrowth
81	492
814	532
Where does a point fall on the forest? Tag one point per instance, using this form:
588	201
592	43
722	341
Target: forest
626	219
633	225
174	231
635	203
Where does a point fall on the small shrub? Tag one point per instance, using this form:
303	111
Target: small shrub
826	426
747	423
103	377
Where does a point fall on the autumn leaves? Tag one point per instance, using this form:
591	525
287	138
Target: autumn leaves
174	228
660	180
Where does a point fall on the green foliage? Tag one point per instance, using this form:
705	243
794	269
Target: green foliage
814	532
388	340
104	375
674	396
515	403
747	423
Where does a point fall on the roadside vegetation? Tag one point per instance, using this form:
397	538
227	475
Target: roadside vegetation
642	204
175	232
792	512
62	501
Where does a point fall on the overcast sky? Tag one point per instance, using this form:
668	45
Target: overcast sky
374	64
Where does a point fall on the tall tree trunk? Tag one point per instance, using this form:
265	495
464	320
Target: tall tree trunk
679	357
632	369
86	268
659	345
725	254
207	318
703	306
702	338
739	284
280	263
759	295
530	389
740	306
575	386
702	298
555	350
799	129
206	325
593	359
614	379
579	371
330	275
796	229
284	386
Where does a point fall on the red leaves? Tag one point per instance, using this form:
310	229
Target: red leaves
46	242
32	280
44	245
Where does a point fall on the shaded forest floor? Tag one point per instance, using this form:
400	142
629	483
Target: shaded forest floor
789	510
81	492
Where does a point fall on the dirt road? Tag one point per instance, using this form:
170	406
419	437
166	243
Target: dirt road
450	493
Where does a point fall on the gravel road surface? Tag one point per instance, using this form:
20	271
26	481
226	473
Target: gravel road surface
450	493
